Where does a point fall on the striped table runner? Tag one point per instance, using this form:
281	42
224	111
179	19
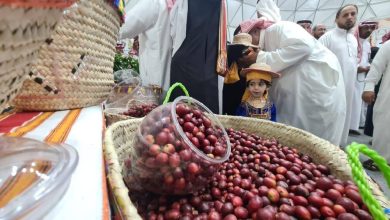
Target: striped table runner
86	197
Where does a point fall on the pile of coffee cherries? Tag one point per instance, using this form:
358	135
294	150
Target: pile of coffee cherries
261	180
176	152
139	111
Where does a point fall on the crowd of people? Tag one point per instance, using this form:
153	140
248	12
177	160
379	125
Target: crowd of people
307	77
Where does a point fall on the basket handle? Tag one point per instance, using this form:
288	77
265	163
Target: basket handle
170	90
353	151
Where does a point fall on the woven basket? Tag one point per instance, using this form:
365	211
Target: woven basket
119	139
76	65
112	118
24	27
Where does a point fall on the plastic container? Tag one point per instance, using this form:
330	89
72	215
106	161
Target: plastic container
178	148
40	172
137	104
130	82
130	97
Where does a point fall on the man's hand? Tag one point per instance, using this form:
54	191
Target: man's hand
252	56
249	57
363	69
368	97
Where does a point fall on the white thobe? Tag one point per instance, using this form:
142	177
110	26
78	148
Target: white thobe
357	102
310	92
363	114
344	45
380	67
159	32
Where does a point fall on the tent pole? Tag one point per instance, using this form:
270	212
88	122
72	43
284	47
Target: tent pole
315	12
295	11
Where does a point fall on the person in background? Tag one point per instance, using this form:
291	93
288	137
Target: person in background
368	126
342	42
364	50
310	93
160	34
318	31
306	24
135	48
380	68
255	101
234	84
195	62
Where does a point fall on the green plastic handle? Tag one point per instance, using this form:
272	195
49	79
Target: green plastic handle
170	90
353	151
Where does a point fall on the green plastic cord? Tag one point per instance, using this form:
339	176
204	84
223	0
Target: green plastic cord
353	151
170	90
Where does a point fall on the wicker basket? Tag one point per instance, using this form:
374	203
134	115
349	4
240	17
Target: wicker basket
24	27
119	139
76	65
112	118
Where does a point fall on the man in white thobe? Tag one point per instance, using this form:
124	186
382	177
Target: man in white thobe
318	31
160	25
364	51
380	68
310	93
306	24
342	42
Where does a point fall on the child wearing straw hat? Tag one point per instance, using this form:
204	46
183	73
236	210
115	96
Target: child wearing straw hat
255	102
234	85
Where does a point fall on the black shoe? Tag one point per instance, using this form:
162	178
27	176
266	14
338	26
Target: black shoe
370	165
354	132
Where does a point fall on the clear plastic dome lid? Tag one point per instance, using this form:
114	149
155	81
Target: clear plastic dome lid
129	83
33	176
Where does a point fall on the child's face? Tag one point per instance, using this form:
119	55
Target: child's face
257	88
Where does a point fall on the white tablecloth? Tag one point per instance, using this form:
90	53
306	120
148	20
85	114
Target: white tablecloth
86	197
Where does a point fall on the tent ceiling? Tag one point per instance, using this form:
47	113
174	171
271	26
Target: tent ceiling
319	11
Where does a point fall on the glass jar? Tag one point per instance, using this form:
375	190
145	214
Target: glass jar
177	149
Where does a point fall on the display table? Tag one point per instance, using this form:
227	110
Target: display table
86	197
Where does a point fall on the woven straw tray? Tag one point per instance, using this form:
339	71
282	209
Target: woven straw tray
119	139
111	118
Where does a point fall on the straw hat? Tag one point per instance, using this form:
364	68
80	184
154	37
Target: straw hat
243	39
259	71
